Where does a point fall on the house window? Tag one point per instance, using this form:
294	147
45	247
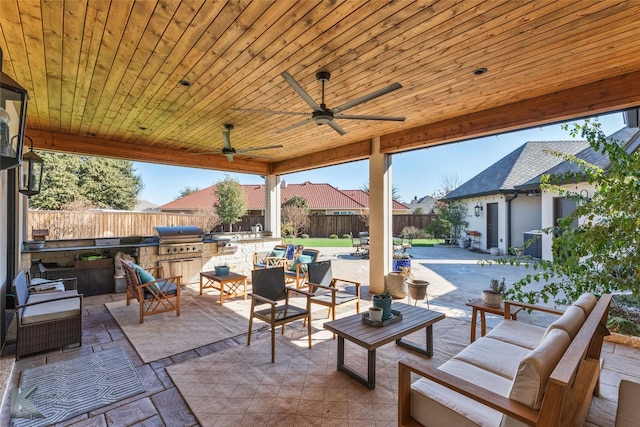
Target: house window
342	213
562	208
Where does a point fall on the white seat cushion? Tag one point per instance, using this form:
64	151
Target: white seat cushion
517	333
52	309
495	356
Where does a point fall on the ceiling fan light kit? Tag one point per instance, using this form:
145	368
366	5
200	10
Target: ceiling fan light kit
322	115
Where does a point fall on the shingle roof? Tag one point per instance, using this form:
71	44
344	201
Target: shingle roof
628	137
516	168
318	196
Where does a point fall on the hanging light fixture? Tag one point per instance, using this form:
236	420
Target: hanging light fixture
31	173
478	208
13	117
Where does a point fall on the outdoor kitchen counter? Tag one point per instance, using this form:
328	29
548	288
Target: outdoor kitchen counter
88	248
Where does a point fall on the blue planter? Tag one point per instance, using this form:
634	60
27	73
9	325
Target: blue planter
399	263
384	302
222	270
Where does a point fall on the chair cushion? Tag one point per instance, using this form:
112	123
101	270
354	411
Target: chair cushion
51	309
153	289
504	359
530	382
586	302
303	260
517	333
276	253
571	321
143	275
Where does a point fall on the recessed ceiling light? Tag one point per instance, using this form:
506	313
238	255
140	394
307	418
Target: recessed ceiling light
479	71
91	134
185	83
142	128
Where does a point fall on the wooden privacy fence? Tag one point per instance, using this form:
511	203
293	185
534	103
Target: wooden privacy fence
91	224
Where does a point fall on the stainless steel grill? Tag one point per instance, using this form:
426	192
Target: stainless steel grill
180	241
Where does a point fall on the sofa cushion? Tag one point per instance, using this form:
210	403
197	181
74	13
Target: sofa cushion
495	356
517	333
571	321
586	302
51	309
534	370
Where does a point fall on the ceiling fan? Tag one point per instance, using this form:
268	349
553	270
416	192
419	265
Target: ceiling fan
229	151
323	115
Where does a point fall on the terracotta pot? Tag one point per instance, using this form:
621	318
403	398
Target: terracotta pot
491	299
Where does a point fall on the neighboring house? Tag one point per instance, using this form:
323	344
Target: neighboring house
427	203
145	206
362	197
505	203
322	199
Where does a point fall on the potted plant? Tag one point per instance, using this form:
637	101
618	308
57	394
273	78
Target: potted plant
492	297
400	260
383	301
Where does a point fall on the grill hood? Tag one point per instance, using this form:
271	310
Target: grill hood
180	234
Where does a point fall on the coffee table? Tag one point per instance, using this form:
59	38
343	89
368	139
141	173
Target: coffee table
236	284
371	337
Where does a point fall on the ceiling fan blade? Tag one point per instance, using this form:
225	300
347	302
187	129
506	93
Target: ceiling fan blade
368	97
337	128
296	86
354	117
295	125
268	147
226	138
257	110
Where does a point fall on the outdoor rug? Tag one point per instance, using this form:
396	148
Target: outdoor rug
66	389
202	321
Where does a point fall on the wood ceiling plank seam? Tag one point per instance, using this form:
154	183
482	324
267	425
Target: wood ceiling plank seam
287	86
31	23
117	17
240	28
14	46
94	26
73	24
183	67
166	45
611	94
128	45
140	60
52	18
167	70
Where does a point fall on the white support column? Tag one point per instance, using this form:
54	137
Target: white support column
380	217
272	205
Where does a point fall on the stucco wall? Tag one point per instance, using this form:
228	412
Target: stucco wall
525	216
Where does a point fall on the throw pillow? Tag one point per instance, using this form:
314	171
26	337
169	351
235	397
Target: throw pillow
303	260
145	277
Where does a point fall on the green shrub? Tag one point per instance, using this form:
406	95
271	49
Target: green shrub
304	236
346	236
333	236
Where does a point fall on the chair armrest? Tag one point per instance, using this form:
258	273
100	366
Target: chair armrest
29	304
70	283
353	282
262	299
482	395
526	306
299	291
325	287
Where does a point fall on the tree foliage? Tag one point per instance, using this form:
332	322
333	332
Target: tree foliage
601	254
187	190
231	202
452	214
90	181
395	192
295	213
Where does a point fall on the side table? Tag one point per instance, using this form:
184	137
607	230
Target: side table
479	306
236	284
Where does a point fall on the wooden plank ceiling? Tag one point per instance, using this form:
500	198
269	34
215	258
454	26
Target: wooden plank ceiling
104	77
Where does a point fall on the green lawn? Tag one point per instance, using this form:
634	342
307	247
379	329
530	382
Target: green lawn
346	243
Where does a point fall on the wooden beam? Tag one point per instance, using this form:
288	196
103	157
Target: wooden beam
93	146
599	97
348	153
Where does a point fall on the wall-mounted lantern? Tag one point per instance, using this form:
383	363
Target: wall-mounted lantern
13	117
477	209
31	172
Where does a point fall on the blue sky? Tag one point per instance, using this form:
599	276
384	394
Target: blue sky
416	173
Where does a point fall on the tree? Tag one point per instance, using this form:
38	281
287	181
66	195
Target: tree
232	201
187	190
452	214
601	254
395	192
418	211
295	213
91	181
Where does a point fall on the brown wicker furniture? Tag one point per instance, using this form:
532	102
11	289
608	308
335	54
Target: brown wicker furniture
46	321
371	337
231	285
157	296
269	288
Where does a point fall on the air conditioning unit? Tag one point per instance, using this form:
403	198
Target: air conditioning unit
533	243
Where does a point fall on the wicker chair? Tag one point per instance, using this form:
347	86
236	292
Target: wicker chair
269	288
156	296
46	321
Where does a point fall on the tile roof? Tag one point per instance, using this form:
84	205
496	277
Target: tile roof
516	168
318	196
363	198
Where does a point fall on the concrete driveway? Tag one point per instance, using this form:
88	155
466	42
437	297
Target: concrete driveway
455	277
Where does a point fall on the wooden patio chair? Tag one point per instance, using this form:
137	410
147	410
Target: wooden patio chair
324	288
274	258
269	288
296	271
154	293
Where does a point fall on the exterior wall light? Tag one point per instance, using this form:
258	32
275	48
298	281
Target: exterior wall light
477	209
31	173
13	118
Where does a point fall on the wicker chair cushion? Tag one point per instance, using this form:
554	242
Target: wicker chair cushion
303	260
51	309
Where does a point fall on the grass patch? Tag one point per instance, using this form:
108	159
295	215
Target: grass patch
346	243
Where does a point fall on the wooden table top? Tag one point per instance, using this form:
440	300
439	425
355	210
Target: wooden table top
226	278
370	337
